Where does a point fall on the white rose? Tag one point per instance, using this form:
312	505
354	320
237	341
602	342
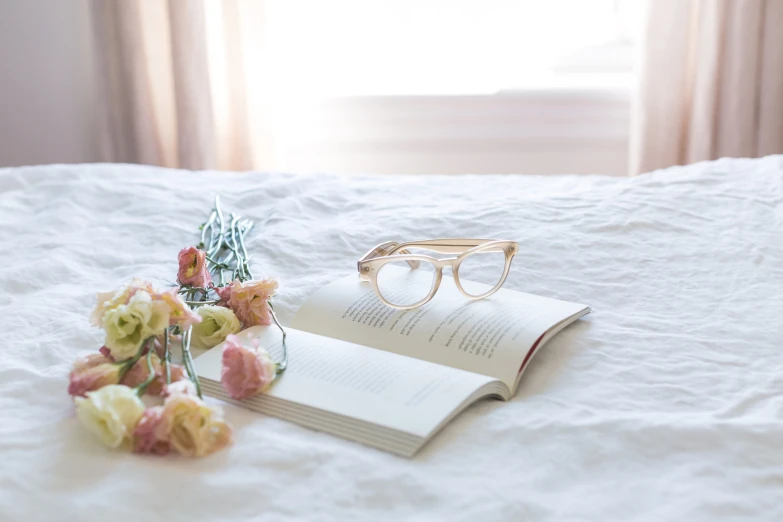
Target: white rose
216	323
111	413
108	300
128	326
105	301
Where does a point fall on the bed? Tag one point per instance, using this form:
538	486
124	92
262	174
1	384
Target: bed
665	403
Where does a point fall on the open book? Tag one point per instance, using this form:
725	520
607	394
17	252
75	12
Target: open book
392	379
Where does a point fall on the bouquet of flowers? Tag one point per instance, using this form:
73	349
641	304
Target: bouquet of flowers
141	325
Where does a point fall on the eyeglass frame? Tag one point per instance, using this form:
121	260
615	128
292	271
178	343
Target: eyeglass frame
370	264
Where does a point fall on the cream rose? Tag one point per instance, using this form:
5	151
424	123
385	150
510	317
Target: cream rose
109	300
111	413
193	428
128	326
216	323
181	314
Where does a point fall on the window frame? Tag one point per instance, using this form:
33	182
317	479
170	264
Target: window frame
529	131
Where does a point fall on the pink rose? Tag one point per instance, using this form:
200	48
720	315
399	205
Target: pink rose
224	293
149	436
89	361
181	314
104	350
193	269
177	373
245	371
91	373
139	372
250	300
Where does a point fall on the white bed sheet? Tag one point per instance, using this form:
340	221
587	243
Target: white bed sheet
666	403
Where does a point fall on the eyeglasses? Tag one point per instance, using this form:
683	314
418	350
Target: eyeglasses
405	280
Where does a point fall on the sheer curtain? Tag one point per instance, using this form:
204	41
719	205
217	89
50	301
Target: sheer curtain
178	86
711	83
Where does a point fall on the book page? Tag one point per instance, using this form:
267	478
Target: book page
358	382
490	336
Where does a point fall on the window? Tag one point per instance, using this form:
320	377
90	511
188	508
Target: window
449	86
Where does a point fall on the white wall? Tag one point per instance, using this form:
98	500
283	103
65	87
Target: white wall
46	84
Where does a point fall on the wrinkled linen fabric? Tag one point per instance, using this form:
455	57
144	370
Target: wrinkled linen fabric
665	403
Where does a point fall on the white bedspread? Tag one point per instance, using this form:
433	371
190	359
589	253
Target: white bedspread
666	403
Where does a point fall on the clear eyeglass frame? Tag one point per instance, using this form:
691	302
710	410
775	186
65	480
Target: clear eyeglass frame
371	263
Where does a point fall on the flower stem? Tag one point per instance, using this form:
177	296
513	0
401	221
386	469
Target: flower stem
220	217
281	366
187	289
241	236
199	303
208	226
187	358
232	244
216	263
128	363
167	356
226	244
141	388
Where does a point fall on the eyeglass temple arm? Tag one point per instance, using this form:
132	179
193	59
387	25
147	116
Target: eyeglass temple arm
385	249
448	246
